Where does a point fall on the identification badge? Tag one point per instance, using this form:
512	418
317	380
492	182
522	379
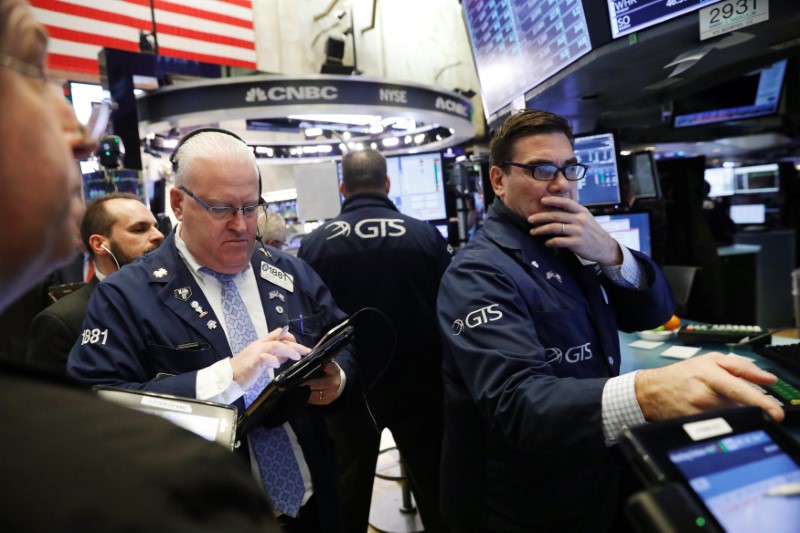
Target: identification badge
277	276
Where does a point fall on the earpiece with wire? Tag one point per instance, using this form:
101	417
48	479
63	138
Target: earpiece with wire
103	246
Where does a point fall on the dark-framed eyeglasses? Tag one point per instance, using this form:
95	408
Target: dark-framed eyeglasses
26	69
223	212
549	172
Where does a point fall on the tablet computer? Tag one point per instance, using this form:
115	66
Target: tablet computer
288	386
213	421
739	465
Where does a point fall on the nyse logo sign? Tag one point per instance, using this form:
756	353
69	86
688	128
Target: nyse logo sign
395	96
291	92
369	228
481	316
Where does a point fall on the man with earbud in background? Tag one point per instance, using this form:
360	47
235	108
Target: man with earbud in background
116	229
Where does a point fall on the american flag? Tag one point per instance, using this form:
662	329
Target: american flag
211	31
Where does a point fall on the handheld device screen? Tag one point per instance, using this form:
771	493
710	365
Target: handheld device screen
747	481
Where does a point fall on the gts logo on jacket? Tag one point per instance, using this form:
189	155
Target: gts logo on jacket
573	354
369	228
490	313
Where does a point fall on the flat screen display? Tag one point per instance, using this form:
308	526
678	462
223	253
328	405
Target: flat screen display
629	229
417	185
757	179
756	94
601	184
721	181
102	182
84	96
748	213
644	178
737	476
518	44
628	16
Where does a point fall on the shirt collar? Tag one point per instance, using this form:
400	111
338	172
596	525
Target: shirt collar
188	258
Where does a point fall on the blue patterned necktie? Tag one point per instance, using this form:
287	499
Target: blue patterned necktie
273	450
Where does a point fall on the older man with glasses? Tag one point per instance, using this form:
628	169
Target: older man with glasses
208	316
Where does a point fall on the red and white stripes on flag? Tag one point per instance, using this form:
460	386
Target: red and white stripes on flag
211	31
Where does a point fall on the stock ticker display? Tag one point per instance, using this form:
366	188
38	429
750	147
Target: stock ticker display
519	44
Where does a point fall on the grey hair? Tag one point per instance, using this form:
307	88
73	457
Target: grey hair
209	145
271	227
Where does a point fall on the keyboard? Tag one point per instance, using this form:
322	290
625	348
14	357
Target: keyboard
785	355
723	333
785	390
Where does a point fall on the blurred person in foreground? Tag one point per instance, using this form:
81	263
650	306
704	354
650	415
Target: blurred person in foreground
71	461
529	313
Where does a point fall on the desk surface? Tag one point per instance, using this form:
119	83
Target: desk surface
638	358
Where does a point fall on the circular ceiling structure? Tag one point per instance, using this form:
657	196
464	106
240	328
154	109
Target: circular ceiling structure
288	119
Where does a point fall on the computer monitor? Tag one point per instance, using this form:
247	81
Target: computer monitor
757	179
721	181
630	229
84	96
518	44
601	184
644	177
756	94
628	17
417	185
745	214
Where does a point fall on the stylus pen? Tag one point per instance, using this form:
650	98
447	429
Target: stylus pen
284	331
787	489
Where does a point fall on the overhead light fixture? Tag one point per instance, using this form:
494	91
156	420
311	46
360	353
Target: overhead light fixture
265	150
419	138
390	141
280	196
355	120
313	132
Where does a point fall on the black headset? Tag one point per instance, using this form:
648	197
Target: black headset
173	158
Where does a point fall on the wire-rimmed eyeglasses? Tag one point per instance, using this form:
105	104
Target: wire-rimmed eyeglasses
26	69
223	212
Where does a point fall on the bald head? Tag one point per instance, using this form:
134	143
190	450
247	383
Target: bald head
364	171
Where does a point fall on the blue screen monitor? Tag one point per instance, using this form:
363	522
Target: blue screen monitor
756	94
518	44
417	185
628	16
601	184
721	180
629	229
